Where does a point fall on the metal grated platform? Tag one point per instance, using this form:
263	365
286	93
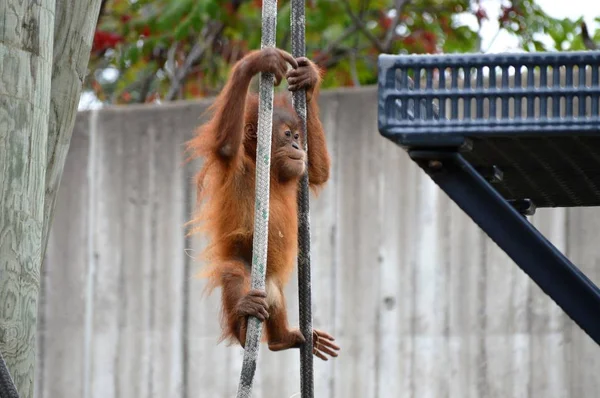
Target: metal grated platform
501	135
535	116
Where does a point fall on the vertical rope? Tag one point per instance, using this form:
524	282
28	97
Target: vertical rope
261	209
304	278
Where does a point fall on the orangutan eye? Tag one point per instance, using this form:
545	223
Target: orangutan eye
296	136
288	133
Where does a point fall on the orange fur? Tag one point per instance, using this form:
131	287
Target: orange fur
226	195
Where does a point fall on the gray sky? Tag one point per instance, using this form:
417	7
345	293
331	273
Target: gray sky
572	9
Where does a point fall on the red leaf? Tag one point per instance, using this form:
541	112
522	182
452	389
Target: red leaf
105	40
481	14
385	22
409	41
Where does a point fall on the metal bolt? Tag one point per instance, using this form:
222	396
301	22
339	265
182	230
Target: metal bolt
435	165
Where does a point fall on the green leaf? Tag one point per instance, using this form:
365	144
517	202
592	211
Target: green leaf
212	9
183	29
133	54
176	25
173	14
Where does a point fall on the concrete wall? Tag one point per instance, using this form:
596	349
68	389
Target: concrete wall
422	303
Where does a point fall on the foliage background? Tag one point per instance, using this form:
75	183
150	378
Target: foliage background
161	50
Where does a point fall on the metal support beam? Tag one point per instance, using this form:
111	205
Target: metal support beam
526	246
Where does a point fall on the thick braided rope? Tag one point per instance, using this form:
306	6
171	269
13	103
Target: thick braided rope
304	282
261	210
7	387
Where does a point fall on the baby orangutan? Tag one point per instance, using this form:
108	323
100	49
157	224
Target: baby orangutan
226	186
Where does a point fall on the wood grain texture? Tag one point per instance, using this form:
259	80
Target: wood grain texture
25	71
74	27
422	303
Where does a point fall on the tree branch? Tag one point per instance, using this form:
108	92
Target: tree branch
359	23
333	45
341	54
353	71
364	6
146	86
587	40
101	12
389	36
170	67
197	52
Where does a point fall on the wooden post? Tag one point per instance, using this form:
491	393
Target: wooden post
38	98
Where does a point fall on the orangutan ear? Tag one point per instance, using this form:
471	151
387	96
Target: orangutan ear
249	130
